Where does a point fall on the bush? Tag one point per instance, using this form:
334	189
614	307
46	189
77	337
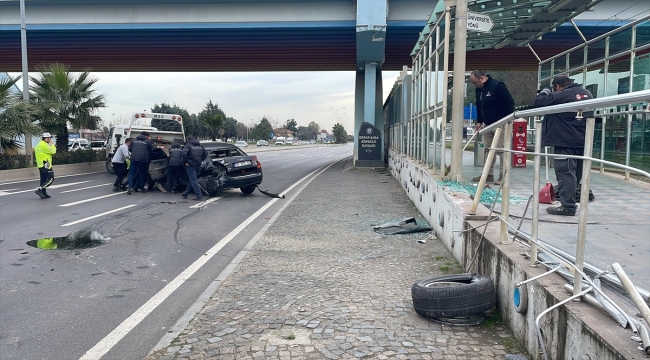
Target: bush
69	157
13	161
78	156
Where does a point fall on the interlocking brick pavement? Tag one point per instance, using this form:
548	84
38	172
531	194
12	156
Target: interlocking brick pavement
320	284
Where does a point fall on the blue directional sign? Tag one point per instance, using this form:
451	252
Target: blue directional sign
469	112
271	136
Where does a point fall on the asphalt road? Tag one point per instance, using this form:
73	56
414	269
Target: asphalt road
118	299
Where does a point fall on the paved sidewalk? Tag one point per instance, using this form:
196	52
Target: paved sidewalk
320	284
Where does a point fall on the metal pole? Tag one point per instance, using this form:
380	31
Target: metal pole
535	222
628	145
634	294
602	144
460	48
584	201
445	75
505	187
486	169
25	68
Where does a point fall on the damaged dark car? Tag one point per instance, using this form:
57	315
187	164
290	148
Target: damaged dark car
228	167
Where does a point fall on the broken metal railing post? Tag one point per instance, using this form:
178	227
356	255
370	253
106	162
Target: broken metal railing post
505	184
486	169
539	276
535	216
602	144
539	330
584	201
628	144
634	294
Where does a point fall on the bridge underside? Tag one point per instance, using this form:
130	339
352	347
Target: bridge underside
188	47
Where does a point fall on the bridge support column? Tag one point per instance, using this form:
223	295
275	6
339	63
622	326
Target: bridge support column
368	114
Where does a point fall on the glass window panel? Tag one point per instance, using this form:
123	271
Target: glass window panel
620	41
643	33
577	77
596	51
576	59
596	80
559	65
618	76
546	70
641	78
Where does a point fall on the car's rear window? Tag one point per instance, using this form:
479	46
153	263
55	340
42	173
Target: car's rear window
226	152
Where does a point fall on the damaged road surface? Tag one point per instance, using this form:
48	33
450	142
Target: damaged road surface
61	303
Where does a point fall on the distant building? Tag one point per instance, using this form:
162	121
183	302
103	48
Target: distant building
283	132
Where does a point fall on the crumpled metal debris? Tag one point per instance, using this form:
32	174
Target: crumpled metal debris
404	226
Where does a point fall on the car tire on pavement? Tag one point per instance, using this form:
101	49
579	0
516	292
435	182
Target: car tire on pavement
453	296
109	166
247	189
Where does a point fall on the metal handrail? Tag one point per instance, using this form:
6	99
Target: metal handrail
597	38
583	105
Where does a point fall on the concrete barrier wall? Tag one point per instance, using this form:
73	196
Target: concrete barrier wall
59	170
572	331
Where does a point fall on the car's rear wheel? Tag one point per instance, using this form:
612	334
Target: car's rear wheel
109	166
248	189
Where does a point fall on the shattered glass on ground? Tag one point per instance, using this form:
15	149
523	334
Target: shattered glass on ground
487	196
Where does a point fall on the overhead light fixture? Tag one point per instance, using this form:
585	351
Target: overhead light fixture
557	6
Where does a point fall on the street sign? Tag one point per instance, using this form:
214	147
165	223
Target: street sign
222	131
271	136
479	22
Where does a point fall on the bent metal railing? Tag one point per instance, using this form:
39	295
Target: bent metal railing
504	126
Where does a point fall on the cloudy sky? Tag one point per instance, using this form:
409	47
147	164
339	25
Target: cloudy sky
247	97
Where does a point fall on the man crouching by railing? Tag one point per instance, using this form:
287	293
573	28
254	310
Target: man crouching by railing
567	135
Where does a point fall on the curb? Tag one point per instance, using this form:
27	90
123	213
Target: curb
59	170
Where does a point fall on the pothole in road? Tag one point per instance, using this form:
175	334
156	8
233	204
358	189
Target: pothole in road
77	240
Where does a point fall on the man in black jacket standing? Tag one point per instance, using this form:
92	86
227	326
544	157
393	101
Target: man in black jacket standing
193	156
174	166
140	148
567	135
493	102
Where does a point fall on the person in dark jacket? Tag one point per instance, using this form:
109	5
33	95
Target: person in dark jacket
174	166
567	135
493	102
193	156
140	149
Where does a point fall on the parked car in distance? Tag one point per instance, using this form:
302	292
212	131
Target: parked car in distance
241	143
262	143
97	144
76	144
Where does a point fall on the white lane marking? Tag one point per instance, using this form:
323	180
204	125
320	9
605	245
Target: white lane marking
329	155
204	203
58	177
4	193
98	215
91	199
105	345
84	188
184	321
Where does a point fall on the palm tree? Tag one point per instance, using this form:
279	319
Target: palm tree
340	134
62	97
15	116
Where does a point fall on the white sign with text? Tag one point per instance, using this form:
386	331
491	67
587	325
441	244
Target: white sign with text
479	22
